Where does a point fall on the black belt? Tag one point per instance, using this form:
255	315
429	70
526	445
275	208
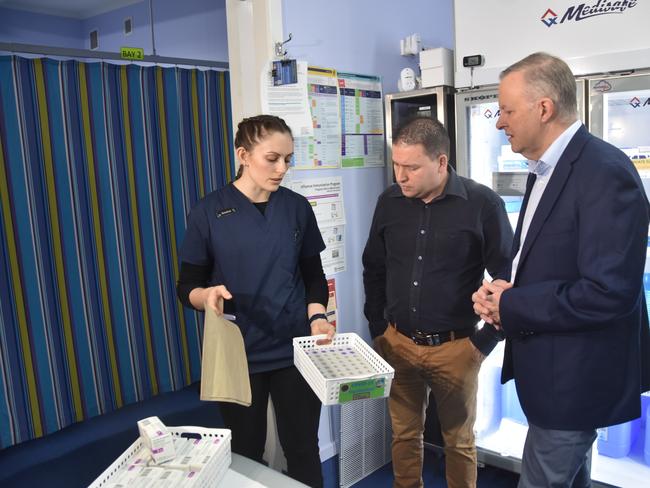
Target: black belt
436	338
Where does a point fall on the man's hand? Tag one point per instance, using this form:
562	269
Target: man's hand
486	301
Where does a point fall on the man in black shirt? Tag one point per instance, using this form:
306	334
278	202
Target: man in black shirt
433	235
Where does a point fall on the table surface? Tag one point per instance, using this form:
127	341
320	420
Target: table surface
246	473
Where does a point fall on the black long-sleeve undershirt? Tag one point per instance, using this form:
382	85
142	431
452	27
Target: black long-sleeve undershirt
193	276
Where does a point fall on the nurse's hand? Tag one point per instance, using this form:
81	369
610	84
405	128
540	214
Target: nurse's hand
322	326
214	296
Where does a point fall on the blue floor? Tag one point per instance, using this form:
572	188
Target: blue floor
433	475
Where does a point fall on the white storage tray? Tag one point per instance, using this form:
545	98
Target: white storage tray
210	476
347	369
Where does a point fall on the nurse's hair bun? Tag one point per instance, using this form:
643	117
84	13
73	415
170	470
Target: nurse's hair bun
252	130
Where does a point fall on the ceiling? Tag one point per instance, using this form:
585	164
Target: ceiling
76	9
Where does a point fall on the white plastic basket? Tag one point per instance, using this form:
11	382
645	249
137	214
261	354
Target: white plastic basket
371	381
209	476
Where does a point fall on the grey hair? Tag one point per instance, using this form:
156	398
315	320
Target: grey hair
549	76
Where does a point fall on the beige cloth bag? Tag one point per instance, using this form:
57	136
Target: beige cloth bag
224	368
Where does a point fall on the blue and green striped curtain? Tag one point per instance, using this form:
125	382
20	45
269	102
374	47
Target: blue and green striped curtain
99	166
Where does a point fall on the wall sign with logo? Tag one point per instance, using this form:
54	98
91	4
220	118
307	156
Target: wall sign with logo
593	36
583	11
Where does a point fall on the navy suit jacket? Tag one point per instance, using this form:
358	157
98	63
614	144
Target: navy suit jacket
576	323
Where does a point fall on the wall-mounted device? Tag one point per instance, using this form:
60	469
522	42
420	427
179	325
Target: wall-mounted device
410	45
406	80
473	61
437	67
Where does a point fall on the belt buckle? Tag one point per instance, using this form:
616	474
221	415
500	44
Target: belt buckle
426	338
433	339
419	338
416	337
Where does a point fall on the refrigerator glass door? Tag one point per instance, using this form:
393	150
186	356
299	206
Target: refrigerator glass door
620	114
484	153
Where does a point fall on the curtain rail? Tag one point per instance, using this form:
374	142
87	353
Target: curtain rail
87	53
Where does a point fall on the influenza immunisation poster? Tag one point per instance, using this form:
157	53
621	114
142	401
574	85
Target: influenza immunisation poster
326	198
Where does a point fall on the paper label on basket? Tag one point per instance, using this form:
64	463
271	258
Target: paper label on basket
362	390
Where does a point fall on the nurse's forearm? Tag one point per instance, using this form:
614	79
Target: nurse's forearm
197	298
313	308
191	276
319	324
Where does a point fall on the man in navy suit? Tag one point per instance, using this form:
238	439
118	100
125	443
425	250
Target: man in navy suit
574	312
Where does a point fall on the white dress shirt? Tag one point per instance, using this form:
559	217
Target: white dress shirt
544	169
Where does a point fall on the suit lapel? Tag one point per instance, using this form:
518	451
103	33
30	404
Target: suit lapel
554	189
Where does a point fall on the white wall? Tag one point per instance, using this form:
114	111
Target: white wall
504	32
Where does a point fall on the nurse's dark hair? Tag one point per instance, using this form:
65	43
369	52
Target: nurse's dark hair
426	131
548	76
252	130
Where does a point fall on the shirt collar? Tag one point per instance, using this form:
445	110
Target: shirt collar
552	155
454	187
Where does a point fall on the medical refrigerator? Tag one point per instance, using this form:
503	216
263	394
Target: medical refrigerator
617	109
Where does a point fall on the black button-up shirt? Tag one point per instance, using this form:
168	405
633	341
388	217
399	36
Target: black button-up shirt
423	261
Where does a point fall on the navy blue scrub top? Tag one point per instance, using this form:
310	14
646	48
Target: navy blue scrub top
256	257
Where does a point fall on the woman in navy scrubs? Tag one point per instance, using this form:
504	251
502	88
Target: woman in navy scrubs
252	249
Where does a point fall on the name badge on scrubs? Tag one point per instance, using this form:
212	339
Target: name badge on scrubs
226	211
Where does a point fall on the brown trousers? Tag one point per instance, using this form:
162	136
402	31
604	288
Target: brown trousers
450	370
